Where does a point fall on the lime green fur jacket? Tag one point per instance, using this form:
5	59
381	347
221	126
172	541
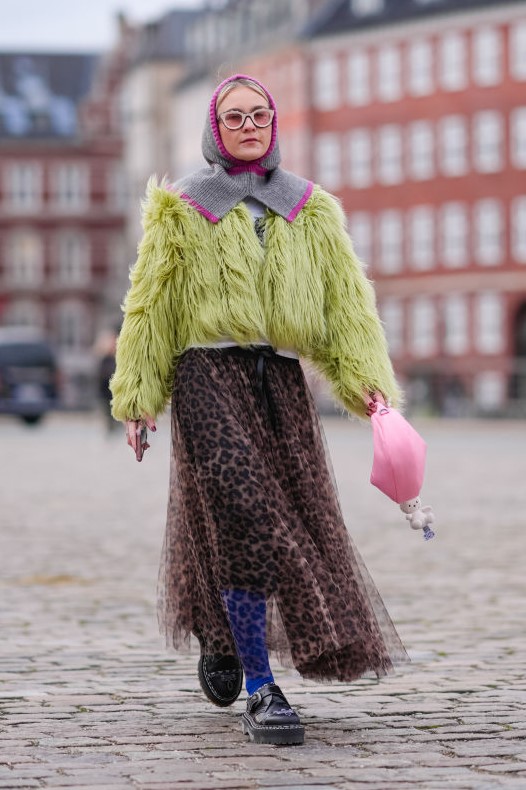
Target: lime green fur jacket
196	282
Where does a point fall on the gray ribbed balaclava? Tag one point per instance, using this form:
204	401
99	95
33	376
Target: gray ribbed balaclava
227	181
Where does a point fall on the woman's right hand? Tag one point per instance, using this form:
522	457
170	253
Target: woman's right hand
133	429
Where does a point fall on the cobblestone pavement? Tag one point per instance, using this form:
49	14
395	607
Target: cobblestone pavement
89	698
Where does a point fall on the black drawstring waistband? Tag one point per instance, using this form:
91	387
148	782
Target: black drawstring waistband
261	354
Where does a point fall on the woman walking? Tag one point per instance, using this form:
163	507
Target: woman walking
243	268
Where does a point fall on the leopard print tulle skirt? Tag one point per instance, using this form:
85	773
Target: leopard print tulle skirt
253	507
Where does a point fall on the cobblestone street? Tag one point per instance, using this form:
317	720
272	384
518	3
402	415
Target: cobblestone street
90	698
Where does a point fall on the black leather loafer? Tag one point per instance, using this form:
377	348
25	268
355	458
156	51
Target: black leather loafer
270	719
221	678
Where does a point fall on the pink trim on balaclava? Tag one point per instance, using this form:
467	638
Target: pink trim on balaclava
215	127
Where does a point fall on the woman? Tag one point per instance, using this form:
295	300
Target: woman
243	267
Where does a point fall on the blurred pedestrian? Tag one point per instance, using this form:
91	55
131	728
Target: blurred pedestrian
244	266
105	353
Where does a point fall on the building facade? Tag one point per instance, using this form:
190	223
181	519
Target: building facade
419	126
61	203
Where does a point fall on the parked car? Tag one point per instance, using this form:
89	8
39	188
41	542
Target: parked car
29	375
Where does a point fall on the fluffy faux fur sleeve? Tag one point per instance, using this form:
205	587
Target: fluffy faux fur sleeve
146	349
353	355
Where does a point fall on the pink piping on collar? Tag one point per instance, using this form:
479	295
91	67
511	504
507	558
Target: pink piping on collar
215	127
297	208
248	167
201	209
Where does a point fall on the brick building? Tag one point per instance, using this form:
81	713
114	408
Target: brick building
419	126
61	202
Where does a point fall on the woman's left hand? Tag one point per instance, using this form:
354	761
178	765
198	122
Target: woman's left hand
371	399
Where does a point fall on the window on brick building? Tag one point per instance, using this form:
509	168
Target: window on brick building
453	145
488	141
72	265
487	56
452	62
327	83
391	238
392	315
518	228
421	227
518	137
423	327
389	73
24	258
358	78
70	185
420	151
420	68
389	145
72	325
518	50
488	229
489	390
24	312
328	160
116	187
23	186
489	323
360	158
361	232
454	235
456	324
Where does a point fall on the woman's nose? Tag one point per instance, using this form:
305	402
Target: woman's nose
249	123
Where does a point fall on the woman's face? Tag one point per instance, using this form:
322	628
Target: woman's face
250	142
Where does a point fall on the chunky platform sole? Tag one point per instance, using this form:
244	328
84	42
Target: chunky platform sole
293	735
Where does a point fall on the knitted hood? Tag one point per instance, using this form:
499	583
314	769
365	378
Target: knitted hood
227	181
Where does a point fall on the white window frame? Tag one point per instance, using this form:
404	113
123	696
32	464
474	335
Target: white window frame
72	267
389	154
327	83
453	137
423	327
361	232
489	323
116	187
452	61
24	312
359	78
23	186
24	258
488	141
420	150
389	73
488	232
518	137
328	157
487	56
72	324
390	241
489	390
70	186
392	316
454	235
518	228
456	324
420	78
518	50
421	237
360	158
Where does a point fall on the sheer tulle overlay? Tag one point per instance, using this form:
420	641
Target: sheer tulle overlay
253	508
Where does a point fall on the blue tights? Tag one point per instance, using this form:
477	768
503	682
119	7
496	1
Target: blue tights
247	616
